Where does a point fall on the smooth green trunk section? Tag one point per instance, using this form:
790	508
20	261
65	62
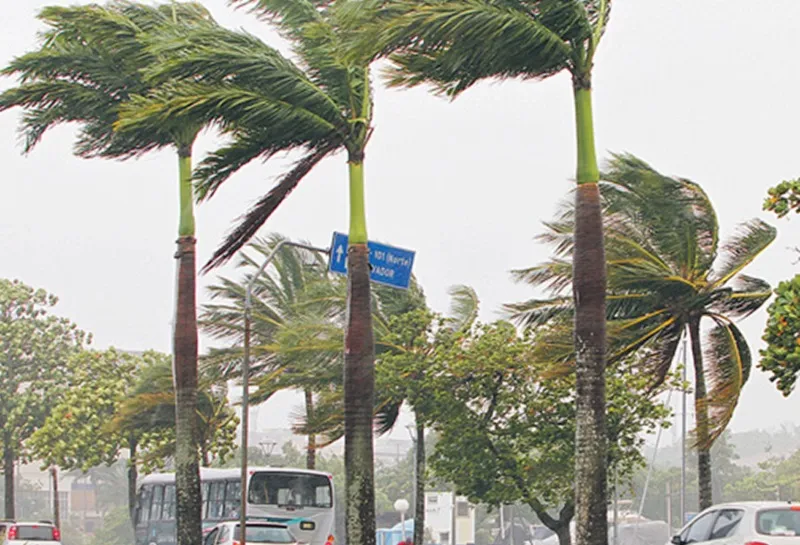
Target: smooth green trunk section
588	173
358	215
186	225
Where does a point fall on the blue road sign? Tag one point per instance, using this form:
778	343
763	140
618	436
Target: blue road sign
388	265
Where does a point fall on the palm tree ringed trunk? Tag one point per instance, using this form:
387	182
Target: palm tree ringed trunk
187	472
8	476
589	289
419	484
701	416
359	373
311	444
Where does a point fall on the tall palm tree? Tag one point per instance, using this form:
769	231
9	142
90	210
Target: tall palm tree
666	273
453	44
318	106
294	299
89	63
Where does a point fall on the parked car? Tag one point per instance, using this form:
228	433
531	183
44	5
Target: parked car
38	533
744	523
227	533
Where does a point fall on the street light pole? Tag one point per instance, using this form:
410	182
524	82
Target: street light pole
248	305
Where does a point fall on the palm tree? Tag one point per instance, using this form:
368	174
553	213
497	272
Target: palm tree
297	305
318	106
666	274
89	63
453	44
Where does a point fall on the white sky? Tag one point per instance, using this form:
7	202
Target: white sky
703	89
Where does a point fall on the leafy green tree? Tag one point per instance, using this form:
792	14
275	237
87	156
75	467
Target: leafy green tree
507	428
667	272
783	198
453	44
74	435
34	348
89	63
319	106
781	356
295	323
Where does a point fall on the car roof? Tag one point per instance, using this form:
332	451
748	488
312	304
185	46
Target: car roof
755	505
30	522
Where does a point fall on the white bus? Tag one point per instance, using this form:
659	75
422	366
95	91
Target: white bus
300	498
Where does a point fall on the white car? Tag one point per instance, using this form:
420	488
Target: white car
744	523
33	533
227	533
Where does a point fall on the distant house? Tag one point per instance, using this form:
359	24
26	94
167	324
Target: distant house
439	518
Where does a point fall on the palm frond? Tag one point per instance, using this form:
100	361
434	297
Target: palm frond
537	312
464	307
727	367
554	275
263	209
752	238
747	296
452	45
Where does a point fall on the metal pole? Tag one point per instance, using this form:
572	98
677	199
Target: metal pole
616	506
683	436
403	525
248	305
669	509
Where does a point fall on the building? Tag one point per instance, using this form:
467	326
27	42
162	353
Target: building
441	517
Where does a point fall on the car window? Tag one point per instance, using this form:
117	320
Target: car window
778	522
699	529
726	523
265	534
35	533
210	537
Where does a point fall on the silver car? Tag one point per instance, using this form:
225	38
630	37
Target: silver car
29	533
227	533
744	523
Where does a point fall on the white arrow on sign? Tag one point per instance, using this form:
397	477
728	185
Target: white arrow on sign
339	252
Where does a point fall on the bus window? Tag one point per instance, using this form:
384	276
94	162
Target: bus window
216	501
143	507
168	511
204	512
155	507
290	489
233	497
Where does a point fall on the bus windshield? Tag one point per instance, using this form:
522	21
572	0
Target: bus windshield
290	490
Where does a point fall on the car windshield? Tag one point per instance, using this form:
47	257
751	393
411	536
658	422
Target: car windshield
34	533
265	534
290	489
779	522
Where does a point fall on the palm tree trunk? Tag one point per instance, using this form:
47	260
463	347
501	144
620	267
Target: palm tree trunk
8	474
359	375
589	289
133	476
187	471
701	416
56	503
311	444
419	484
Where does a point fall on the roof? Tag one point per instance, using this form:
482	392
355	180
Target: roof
755	504
211	474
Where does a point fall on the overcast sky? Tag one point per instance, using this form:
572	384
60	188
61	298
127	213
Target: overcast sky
703	89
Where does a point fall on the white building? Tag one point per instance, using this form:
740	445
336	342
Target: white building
441	517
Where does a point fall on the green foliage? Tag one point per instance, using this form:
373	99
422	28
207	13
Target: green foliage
34	352
781	356
783	198
115	530
507	428
75	434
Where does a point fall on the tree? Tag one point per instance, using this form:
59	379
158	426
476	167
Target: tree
89	63
784	198
455	44
34	346
507	429
295	303
74	435
781	356
267	104
666	274
411	340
